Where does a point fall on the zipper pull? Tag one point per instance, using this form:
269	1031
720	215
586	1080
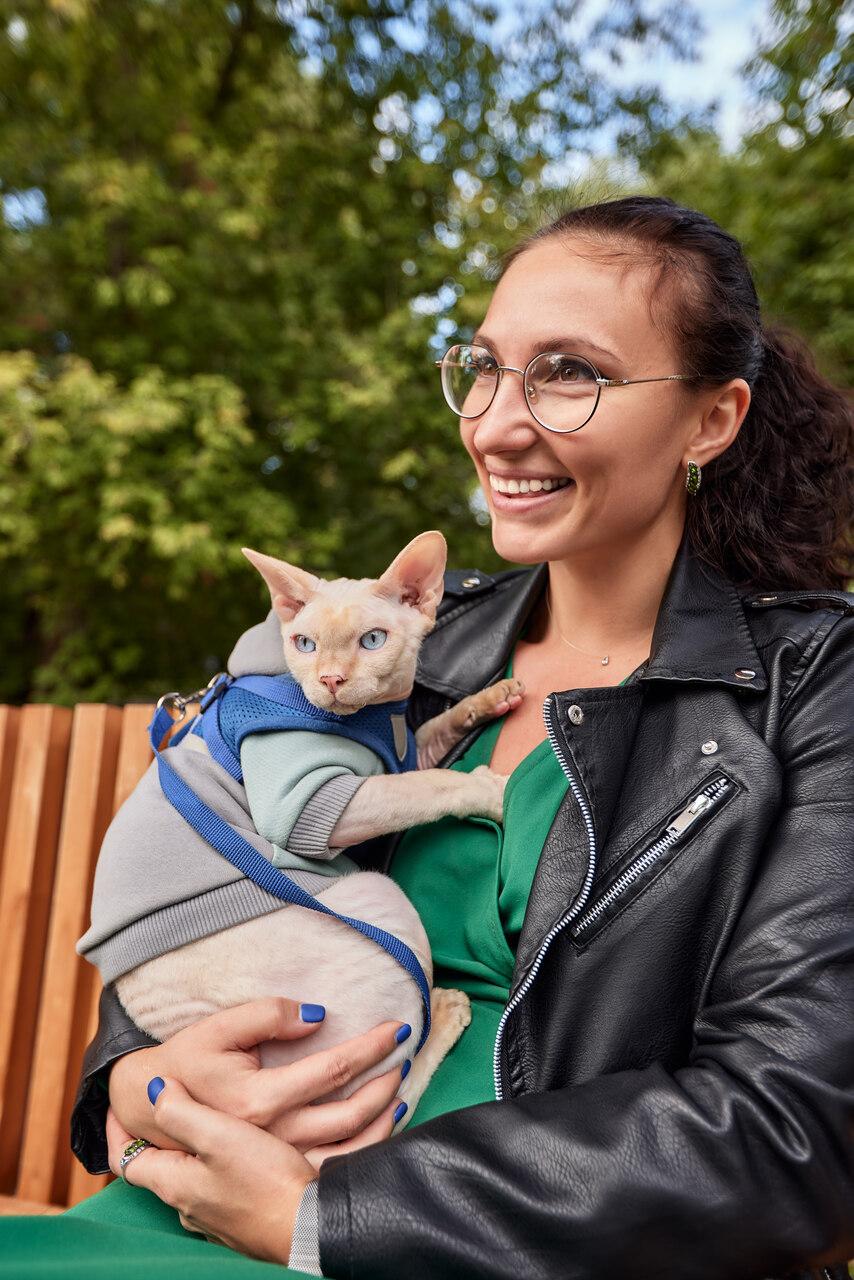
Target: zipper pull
684	819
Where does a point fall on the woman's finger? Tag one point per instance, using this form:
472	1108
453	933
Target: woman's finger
382	1127
282	1089
242	1186
118	1139
198	1128
160	1171
245	1026
330	1122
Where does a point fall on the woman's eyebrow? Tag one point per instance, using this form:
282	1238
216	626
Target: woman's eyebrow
569	345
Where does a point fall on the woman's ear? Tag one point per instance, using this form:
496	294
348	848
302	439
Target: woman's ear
724	411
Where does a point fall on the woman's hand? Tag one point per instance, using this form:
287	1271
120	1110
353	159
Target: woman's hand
229	1180
218	1063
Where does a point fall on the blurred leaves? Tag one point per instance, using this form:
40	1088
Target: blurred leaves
107	528
787	192
233	236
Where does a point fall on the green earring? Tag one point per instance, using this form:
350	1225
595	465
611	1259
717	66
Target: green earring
693	479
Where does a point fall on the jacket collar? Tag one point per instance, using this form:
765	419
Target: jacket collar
701	633
470	645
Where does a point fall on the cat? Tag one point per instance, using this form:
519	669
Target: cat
348	644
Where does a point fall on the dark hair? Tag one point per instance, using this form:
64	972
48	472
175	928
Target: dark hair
777	507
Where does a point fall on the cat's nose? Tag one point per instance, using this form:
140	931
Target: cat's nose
333	683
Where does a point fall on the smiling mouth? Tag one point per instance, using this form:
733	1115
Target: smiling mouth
546	484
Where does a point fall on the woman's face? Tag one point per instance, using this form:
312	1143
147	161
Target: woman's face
619	481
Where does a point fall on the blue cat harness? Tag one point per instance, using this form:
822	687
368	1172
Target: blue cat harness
230	709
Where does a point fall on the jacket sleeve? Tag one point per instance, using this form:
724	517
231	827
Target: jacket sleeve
739	1163
116	1036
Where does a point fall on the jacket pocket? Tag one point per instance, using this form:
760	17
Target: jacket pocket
644	868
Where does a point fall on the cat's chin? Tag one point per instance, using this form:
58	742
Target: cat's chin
326	702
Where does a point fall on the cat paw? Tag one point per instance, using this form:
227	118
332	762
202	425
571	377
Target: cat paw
453	1009
486	797
497	700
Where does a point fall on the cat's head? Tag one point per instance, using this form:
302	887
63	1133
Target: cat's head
354	642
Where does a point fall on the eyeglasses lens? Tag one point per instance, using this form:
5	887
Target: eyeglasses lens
561	390
469	379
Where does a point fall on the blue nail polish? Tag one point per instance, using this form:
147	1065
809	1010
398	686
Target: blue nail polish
405	1069
155	1088
401	1112
404	1033
312	1013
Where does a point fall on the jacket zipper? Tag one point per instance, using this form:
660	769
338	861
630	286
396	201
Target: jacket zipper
701	804
574	909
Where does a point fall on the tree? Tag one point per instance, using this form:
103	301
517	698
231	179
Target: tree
258	215
786	192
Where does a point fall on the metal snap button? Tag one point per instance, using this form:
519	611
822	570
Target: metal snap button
709	748
766	599
575	714
471	582
744	673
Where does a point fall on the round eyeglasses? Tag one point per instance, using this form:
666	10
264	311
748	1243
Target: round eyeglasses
561	390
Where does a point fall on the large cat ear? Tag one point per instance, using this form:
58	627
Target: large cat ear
290	588
414	577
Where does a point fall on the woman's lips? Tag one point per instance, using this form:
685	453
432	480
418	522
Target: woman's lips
513	485
518	493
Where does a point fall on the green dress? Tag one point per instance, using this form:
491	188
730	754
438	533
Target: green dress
470	880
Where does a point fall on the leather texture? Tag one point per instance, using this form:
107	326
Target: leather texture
678	1075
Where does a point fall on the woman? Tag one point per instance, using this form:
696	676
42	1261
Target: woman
671	909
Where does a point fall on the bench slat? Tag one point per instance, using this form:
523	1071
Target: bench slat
66	990
25	893
61	780
9	721
134	756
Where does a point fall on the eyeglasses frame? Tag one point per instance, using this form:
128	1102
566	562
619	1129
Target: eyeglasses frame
509	368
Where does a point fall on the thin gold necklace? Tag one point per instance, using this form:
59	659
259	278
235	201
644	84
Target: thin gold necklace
604	661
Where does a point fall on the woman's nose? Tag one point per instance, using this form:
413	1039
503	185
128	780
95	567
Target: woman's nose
508	424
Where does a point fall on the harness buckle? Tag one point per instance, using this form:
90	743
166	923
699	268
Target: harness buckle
178	702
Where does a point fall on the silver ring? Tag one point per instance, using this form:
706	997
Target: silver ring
131	1152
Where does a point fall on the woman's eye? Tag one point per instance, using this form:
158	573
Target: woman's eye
557	374
373	639
565	369
484	366
304	644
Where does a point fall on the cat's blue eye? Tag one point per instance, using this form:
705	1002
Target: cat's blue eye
304	644
373	639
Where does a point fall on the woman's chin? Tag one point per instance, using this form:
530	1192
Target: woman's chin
527	541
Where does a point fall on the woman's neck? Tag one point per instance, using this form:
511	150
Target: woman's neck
609	604
590	612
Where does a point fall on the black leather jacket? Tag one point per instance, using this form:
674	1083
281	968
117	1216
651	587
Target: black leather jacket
677	1059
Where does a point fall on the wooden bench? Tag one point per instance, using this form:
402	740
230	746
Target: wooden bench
62	776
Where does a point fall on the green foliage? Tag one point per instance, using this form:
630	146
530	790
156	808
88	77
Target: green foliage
233	236
122	567
787	192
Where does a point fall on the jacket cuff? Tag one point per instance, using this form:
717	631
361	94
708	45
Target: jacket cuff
305	1249
116	1036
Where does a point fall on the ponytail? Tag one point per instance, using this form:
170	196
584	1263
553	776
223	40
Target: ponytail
777	507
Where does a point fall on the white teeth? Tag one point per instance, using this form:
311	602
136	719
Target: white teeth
545	485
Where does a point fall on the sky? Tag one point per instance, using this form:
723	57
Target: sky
732	31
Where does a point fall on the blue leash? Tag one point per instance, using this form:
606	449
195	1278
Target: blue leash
241	854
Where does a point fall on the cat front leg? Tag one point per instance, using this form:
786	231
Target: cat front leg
438	736
397	801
